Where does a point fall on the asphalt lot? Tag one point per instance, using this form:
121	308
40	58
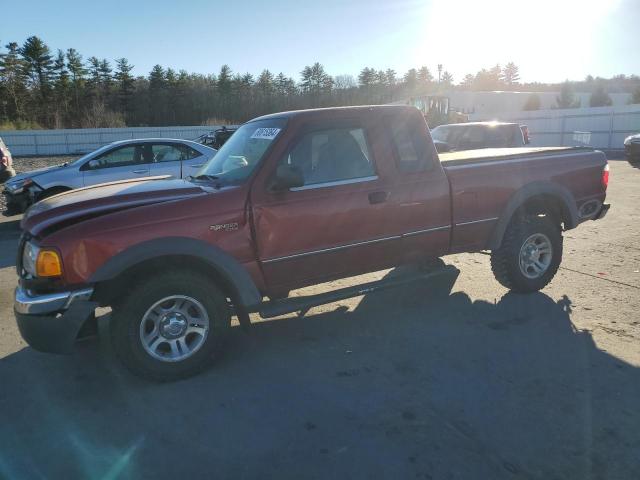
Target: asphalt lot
448	379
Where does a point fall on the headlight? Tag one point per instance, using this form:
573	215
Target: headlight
19	186
29	258
41	262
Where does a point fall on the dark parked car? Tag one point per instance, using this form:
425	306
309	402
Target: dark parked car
6	163
632	149
474	135
217	138
292	199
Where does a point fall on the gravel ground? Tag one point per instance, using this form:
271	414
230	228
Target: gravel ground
26	164
450	379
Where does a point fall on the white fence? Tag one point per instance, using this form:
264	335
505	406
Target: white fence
599	127
79	141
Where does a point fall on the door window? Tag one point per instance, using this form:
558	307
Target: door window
332	155
172	153
118	157
473	137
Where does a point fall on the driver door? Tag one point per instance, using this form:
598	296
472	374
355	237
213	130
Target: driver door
338	223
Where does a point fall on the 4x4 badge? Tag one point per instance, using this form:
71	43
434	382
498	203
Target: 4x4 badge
227	227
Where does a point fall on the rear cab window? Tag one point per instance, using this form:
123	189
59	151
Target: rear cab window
410	144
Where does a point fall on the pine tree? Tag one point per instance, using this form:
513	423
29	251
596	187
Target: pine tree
410	79
532	103
447	78
510	74
106	75
424	76
390	77
38	64
567	99
157	95
495	77
224	86
367	77
77	72
94	93
468	81
61	88
14	82
600	98
125	85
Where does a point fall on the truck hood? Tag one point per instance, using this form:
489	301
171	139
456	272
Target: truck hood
91	202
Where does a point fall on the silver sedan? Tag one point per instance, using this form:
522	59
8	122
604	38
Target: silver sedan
121	160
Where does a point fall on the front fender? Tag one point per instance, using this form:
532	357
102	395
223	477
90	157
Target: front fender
227	266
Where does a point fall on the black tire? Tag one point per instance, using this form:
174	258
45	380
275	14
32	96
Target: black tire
505	261
128	314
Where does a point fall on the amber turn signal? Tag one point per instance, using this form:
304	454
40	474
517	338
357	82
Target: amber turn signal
48	264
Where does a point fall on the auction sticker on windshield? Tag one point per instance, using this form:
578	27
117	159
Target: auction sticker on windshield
266	133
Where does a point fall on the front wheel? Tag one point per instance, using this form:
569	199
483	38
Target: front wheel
171	326
530	254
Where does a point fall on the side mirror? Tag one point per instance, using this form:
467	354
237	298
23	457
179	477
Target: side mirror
286	177
93	164
442	147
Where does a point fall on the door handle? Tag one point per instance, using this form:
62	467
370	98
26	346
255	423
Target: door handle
138	171
197	166
378	197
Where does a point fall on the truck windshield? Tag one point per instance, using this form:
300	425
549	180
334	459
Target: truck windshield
239	156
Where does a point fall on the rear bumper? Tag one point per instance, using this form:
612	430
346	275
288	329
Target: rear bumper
51	322
603	211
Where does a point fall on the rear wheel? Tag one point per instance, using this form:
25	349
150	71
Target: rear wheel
530	254
171	326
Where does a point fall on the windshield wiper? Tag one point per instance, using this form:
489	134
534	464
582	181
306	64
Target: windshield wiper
205	177
212	178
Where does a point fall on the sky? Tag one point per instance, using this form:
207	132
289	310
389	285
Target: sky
550	40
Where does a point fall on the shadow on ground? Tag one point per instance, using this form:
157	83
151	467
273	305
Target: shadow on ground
414	383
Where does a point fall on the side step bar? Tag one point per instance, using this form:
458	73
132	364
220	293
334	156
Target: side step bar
275	308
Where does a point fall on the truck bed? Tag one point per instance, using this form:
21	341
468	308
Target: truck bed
464	157
483	181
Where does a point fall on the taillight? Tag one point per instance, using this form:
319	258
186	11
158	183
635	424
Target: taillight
605	176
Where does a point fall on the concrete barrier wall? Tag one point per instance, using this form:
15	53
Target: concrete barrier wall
84	140
599	127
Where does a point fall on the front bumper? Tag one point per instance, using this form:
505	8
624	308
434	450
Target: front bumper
51	322
17	202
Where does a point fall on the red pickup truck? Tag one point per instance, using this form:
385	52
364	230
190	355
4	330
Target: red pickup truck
292	199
